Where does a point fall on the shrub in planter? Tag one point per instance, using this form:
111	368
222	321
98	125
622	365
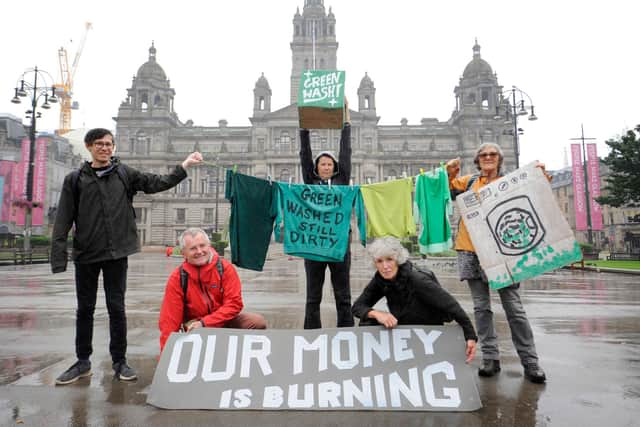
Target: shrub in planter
220	246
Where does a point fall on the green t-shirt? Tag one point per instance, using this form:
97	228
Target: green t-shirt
389	208
253	210
317	219
433	201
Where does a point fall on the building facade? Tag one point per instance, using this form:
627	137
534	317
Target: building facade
620	226
150	136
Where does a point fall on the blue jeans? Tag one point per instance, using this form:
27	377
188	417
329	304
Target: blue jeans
315	271
114	275
521	333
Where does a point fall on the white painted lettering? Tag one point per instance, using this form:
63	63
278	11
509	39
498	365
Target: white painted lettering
208	374
401	350
273	397
352	345
172	371
397	387
427	339
452	394
380	347
300	344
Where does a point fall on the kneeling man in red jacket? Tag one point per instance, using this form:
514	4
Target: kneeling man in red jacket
210	302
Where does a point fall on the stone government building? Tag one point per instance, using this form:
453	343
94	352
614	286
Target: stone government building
150	135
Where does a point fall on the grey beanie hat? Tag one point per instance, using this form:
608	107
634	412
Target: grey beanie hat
325	154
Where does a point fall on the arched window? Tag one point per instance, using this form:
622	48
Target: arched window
261	103
144	101
157	101
366	102
485	99
141	143
283	144
284	175
470	99
315	141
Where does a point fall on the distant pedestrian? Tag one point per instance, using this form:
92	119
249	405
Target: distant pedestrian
97	200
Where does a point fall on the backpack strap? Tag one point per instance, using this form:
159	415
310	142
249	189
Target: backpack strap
75	177
122	173
473	179
456	193
220	269
184	284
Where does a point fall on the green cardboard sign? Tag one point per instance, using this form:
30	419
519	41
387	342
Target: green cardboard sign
321	88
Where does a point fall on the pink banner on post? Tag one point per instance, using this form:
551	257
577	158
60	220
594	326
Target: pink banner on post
578	188
7	170
20	183
39	181
593	169
38	192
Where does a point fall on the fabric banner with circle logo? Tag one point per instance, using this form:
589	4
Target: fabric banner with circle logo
517	228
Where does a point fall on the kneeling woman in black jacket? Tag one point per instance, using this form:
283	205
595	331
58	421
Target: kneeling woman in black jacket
414	297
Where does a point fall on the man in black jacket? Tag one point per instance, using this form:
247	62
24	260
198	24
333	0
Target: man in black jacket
324	170
98	201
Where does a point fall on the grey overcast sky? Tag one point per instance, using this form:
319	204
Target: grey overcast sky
578	61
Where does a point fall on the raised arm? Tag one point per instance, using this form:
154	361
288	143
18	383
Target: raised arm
306	157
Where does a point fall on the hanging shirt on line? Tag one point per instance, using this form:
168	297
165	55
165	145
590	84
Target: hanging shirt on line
317	220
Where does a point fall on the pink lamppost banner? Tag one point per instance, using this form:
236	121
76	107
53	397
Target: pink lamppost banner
7	170
578	188
15	192
20	184
39	181
593	169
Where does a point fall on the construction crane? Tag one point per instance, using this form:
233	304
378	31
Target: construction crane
64	89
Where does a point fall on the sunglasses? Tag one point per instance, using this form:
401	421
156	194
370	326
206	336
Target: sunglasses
488	155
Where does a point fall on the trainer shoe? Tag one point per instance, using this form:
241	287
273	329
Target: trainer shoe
124	372
82	368
534	373
489	368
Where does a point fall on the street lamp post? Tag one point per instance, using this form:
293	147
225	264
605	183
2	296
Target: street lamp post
217	189
22	90
514	103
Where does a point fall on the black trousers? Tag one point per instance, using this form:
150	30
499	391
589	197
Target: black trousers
315	271
114	275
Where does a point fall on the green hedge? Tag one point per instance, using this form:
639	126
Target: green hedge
39	241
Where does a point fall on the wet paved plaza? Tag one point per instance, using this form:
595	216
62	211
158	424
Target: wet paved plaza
586	325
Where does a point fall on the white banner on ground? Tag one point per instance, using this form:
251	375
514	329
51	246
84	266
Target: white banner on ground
414	368
517	228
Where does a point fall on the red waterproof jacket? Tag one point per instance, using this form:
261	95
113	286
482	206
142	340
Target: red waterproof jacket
207	300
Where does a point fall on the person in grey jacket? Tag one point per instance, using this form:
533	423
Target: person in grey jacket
97	200
414	297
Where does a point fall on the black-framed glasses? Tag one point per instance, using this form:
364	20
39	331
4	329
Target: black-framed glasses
107	145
